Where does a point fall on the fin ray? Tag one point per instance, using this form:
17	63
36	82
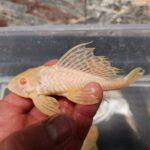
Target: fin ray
81	96
83	59
46	104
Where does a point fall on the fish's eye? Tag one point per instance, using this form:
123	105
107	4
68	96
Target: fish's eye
23	81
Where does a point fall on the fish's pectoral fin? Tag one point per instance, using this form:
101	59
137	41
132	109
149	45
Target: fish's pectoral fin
46	104
82	96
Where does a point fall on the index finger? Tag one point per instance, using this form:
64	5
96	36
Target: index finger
83	114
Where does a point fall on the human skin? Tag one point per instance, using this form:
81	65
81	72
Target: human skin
23	126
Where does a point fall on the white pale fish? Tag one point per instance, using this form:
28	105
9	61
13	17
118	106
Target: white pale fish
68	77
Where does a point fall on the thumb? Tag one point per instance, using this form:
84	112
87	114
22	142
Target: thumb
49	134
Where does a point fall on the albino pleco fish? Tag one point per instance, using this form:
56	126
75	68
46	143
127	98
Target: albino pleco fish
67	77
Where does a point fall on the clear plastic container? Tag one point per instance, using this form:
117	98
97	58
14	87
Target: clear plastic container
127	46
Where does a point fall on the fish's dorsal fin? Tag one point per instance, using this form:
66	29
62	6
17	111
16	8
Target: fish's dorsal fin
83	59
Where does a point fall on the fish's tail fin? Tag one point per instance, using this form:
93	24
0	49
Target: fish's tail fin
134	75
123	82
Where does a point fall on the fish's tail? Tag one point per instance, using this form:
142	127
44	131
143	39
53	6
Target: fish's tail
123	82
134	75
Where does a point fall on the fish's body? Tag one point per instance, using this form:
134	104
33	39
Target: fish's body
63	80
72	79
67	77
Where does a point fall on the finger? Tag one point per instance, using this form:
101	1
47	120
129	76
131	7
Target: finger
51	62
35	116
90	110
54	134
83	114
85	111
66	106
22	105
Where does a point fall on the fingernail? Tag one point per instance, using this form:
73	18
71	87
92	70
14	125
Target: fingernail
95	89
60	128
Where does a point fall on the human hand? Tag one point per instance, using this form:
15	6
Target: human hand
22	126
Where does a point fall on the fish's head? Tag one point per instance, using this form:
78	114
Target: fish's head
24	83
